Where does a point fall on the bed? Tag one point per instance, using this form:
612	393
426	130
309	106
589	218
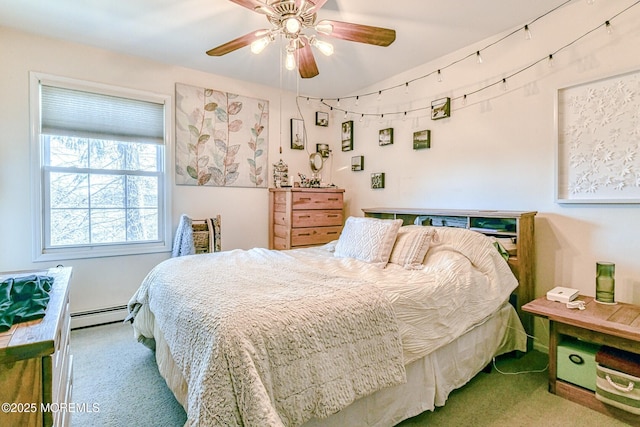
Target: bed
368	330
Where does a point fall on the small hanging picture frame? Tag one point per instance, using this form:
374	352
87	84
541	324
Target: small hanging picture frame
422	139
385	136
347	136
322	118
357	163
441	108
377	180
297	134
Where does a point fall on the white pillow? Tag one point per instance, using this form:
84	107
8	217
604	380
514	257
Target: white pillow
412	244
368	239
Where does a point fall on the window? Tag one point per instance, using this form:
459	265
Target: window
100	185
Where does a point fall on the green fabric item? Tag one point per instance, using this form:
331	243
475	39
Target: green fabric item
502	250
23	298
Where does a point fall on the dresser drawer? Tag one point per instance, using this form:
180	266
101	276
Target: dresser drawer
314	200
316	218
314	236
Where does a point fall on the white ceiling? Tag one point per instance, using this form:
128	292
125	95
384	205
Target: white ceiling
181	31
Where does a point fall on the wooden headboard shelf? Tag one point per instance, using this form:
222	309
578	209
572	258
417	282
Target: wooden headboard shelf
513	224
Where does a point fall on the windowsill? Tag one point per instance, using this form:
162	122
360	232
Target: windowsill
99	252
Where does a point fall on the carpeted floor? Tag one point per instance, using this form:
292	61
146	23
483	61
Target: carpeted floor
118	374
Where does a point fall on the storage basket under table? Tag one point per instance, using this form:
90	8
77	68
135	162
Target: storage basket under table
618	380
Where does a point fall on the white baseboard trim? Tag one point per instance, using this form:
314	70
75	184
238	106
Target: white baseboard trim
98	317
537	345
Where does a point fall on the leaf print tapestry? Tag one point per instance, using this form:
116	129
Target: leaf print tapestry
599	141
221	138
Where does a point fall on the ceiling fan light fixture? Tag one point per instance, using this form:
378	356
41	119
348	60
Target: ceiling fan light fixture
324	28
258	46
290	61
322	46
292	25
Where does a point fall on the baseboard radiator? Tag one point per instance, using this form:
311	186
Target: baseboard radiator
97	317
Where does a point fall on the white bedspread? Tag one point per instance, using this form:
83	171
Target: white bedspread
262	340
241	325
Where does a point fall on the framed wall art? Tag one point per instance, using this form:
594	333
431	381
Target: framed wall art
422	139
222	138
385	136
323	149
598	150
297	134
377	180
347	135
357	163
441	108
322	118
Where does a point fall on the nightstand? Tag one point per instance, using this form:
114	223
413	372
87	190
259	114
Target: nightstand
614	325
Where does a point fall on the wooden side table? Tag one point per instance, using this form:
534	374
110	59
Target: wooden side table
613	325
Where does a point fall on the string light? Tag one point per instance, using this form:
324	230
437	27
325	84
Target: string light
406	88
338	104
527	33
357	100
404	117
503	82
361	118
439	76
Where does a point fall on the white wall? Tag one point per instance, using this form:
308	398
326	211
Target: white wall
498	151
108	282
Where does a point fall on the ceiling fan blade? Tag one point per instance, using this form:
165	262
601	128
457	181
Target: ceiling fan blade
235	44
306	62
317	4
249	4
357	32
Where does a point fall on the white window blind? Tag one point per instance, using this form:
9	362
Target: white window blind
77	113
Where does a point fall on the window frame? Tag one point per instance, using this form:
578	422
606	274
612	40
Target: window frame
40	252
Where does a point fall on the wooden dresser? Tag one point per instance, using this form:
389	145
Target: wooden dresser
35	363
300	217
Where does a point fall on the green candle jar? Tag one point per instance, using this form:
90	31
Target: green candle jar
605	282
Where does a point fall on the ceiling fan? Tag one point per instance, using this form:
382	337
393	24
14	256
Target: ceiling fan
290	18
